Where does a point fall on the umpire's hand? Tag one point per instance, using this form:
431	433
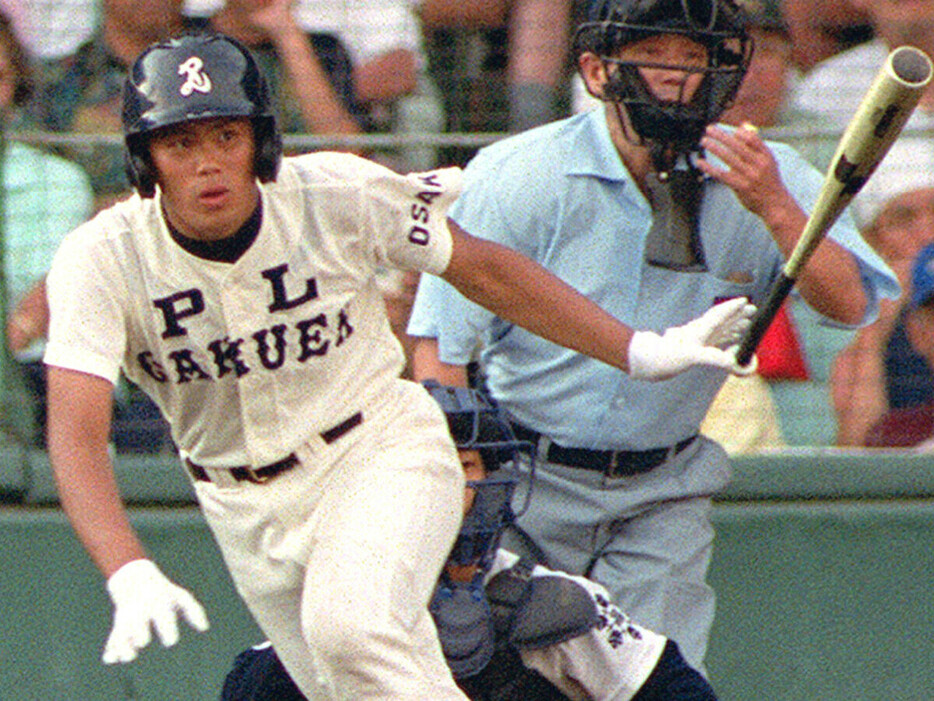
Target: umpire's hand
711	339
145	598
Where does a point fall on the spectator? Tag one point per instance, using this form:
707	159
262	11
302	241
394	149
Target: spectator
43	197
396	93
311	75
390	70
913	426
828	96
763	95
743	417
536	53
81	92
821	28
879	370
52	29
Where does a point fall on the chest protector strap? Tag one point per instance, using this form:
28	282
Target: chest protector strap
535	612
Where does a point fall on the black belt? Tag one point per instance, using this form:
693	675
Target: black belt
612	463
258	475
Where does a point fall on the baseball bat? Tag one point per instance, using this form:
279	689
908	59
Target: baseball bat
877	122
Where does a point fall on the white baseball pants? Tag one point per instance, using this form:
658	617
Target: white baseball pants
338	557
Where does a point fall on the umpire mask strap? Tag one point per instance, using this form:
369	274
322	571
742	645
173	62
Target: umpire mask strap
674	240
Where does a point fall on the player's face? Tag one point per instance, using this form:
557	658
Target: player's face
670	50
904	226
205	171
474	470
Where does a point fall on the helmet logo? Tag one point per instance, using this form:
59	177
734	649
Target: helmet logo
195	77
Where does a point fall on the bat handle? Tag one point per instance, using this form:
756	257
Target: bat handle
763	318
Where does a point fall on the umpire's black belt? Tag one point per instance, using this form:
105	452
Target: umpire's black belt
258	475
612	463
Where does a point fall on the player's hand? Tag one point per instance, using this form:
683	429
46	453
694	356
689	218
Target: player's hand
144	598
711	339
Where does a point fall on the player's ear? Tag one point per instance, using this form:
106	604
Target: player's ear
139	169
593	73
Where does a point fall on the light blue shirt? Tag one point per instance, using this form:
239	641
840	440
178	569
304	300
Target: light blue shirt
561	195
43	198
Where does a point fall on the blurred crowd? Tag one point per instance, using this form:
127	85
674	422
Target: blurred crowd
423	68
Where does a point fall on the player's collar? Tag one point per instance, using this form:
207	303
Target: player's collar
228	250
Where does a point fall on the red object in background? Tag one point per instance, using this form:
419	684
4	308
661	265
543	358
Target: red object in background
779	352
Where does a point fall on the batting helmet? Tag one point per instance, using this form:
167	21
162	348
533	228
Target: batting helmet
195	76
718	25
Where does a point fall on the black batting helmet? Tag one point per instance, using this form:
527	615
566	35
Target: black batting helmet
195	76
718	25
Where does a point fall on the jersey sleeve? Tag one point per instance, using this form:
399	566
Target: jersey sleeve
86	328
407	215
459	325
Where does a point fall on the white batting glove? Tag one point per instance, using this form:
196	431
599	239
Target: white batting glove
145	598
711	339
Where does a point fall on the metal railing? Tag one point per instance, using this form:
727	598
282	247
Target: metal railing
813	140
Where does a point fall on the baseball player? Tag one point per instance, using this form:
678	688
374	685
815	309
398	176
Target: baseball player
237	289
501	631
655	212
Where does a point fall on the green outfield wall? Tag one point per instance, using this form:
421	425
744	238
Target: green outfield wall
824	567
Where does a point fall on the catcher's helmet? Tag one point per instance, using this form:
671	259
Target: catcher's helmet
477	424
195	76
719	25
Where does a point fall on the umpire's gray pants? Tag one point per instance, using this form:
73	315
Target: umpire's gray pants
647	538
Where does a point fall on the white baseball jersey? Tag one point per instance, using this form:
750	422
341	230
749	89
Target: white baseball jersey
612	661
247	360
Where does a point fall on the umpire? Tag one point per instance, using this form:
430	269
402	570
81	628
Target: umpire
656	213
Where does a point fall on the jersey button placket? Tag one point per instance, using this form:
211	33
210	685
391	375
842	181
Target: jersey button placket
256	393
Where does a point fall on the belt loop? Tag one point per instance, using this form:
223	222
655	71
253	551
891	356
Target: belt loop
542	445
670	453
256	477
614	464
